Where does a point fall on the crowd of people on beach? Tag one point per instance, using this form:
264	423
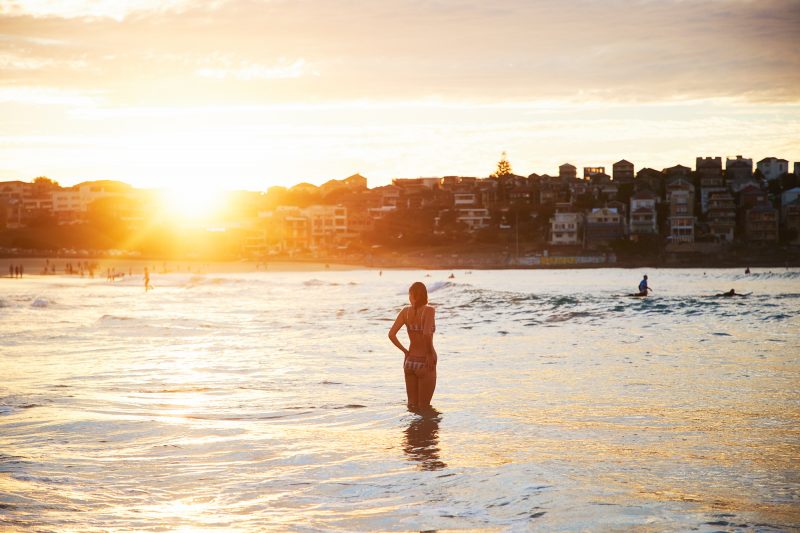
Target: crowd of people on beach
16	271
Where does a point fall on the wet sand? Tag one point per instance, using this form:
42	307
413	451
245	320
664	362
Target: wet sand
35	266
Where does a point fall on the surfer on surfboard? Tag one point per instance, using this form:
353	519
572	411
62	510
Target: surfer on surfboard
643	287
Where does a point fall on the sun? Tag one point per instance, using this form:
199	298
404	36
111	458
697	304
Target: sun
191	203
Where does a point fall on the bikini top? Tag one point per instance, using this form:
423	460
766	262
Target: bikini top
417	328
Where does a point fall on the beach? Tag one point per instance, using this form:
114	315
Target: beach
36	265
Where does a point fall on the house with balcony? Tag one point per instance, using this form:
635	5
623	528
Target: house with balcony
709	174
790	219
327	224
579	189
622	172
465	198
286	229
678	171
680	196
567	172
71	204
474	218
566	226
387	196
751	196
722	216
643	220
738	169
603	226
649	179
290	229
761	223
549	190
773	168
790	195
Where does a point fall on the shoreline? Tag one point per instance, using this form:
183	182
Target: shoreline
128	266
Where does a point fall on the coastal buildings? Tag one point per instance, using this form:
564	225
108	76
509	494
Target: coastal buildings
567	172
643	215
604	225
649	179
751	196
722	216
762	223
773	168
709	173
790	219
474	218
622	172
292	229
356	182
709	208
680	196
738	168
566	226
588	172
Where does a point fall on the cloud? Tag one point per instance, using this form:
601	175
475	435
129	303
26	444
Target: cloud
641	50
47	96
249	71
115	9
393	88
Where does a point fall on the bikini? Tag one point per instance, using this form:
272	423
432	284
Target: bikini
409	364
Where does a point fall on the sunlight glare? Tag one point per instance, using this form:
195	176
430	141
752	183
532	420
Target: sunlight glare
191	203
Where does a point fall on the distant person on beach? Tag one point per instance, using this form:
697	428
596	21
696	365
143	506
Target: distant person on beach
147	285
747	270
419	364
644	287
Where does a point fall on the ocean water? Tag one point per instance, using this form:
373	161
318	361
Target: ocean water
274	401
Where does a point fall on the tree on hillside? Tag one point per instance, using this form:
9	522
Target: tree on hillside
503	167
45	179
43	185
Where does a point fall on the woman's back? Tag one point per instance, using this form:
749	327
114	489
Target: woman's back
418	323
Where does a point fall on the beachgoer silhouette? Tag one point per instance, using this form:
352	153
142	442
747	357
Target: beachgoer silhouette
747	270
419	363
16	271
147	285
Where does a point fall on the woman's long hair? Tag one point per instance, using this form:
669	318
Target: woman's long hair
420	293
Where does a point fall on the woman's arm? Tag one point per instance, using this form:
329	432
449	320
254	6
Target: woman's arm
398	323
428	327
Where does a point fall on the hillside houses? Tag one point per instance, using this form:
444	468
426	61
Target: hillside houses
675	206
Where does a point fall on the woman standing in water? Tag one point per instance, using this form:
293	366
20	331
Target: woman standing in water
420	360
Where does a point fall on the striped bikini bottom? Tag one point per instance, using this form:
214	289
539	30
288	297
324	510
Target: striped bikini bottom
408	364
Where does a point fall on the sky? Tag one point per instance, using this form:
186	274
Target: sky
250	94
